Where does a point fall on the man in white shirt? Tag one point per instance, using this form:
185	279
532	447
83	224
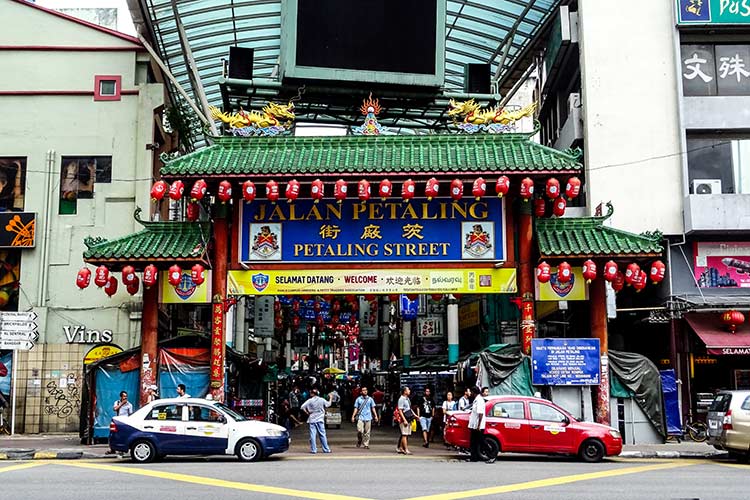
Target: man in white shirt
464	403
315	407
181	391
477	424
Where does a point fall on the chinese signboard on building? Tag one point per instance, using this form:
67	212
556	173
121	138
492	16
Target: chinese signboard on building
710	70
722	265
441	230
713	12
565	361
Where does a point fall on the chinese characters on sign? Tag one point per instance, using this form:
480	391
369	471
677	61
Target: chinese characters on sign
217	346
709	70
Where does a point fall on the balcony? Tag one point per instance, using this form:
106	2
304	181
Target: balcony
717	212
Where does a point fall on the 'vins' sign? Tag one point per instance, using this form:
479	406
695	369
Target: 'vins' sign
78	334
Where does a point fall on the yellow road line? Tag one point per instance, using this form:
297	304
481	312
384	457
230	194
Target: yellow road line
45	455
25	465
734	466
554	481
209	481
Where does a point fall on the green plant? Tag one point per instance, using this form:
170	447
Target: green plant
181	119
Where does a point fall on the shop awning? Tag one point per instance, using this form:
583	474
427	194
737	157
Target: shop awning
398	155
568	237
718	341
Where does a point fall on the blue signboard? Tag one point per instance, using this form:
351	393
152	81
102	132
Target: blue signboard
565	361
376	231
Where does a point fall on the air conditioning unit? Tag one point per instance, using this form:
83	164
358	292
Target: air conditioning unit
706	186
574	102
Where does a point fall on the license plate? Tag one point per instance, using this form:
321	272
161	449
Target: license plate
712	424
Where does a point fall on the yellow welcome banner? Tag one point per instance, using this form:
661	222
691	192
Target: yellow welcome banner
375	281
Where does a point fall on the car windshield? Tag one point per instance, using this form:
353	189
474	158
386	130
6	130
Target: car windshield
236	416
721	402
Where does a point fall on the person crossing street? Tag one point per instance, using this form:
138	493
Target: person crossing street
364	413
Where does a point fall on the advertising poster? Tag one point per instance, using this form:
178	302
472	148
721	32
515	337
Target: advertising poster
12	183
575	289
722	265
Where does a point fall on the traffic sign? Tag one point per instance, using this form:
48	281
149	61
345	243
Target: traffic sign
19	345
17	325
18	334
18	316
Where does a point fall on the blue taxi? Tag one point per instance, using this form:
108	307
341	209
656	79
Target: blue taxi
192	426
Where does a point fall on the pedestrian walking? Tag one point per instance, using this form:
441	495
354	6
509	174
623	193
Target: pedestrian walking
364	413
122	406
464	403
476	424
404	424
181	391
425	411
315	407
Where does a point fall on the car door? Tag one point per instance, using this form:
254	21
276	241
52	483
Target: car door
165	422
548	430
206	430
507	420
716	413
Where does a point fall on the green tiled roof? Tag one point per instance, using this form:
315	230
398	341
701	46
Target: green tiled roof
385	154
158	241
588	237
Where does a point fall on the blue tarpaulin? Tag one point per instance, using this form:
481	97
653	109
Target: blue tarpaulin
109	382
179	368
671	402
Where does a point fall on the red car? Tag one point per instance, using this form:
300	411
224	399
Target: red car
531	425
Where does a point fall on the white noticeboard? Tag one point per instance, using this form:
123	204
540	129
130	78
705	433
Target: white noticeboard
18	333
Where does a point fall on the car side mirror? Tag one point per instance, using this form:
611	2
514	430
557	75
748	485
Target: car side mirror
566	421
222	419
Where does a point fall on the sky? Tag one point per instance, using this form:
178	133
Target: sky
124	21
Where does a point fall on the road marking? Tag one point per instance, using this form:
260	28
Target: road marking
26	465
45	455
209	481
395	456
734	466
555	481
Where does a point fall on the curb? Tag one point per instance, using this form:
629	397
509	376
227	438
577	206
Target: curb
672	454
30	454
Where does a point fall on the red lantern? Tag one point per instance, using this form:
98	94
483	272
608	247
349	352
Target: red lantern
132	289
631	273
199	190
128	275
553	188
339	190
158	190
328	297
193	212
457	189
479	188
412	296
317	190
610	271
393	297
198	274
363	190
559	206
272	191
248	191
437	297
619	282
174	275
111	287
385	189
295	305
539	207
543	274
502	186
278	322
431	189
370	297
639	283
101	276
458	296
176	190
83	279
527	189
292	190
564	272
658	270
407	190
732	319
573	187
295	322
225	191
589	270
150	275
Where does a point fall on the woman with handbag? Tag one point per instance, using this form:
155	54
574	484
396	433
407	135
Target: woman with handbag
405	416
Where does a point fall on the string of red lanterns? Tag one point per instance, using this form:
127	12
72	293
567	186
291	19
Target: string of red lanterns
634	275
104	279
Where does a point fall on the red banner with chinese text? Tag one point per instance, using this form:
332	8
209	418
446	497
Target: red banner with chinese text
217	346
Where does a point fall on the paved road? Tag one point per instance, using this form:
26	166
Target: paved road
376	476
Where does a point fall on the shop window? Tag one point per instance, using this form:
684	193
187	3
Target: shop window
718	165
107	87
78	175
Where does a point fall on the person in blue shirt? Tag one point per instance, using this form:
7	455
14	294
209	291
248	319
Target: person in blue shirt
364	413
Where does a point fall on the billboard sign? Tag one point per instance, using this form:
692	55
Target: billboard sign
722	265
556	361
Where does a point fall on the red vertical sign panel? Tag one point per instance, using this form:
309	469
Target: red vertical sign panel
217	346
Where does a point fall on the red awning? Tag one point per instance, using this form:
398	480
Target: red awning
719	341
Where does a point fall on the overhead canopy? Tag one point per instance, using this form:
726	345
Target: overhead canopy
158	242
589	237
718	341
385	154
477	31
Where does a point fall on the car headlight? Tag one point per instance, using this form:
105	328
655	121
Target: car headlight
615	434
275	432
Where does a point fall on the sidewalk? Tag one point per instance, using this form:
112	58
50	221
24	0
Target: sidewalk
342	442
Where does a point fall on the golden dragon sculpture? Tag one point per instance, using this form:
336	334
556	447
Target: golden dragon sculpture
273	116
475	115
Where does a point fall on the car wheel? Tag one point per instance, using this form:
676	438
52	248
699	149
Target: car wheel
592	450
249	450
489	449
143	451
